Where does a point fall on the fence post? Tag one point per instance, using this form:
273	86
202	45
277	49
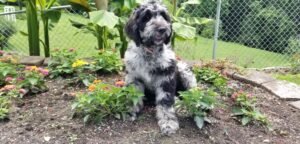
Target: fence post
217	25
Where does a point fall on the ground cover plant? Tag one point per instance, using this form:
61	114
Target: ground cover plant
245	108
197	103
105	100
65	63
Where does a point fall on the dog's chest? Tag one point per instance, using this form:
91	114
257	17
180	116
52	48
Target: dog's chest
143	68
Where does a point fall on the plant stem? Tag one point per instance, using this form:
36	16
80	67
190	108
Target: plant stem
46	37
33	28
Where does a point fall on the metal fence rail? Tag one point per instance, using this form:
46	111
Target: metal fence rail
256	33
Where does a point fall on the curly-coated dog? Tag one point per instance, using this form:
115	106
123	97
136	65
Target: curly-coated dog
151	64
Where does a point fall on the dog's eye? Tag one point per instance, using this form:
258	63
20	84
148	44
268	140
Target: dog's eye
165	16
147	16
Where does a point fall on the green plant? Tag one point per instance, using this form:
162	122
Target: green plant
4	107
33	79
7	71
295	64
245	109
107	62
61	62
83	74
210	76
183	24
104	100
49	17
197	103
7	29
33	27
101	25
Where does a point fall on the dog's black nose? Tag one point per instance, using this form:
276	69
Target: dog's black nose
162	30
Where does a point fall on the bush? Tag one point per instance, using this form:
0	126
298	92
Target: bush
267	28
245	108
107	62
211	77
7	29
104	100
293	46
197	103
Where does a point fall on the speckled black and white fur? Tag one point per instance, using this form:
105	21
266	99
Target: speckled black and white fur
151	64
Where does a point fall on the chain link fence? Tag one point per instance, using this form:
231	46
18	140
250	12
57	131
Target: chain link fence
252	33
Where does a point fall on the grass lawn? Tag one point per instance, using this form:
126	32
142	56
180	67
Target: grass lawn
201	49
289	77
63	35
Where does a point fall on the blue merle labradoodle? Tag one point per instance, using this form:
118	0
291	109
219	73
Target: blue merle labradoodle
151	64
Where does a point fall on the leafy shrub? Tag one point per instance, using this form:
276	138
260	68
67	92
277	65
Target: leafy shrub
107	61
295	64
82	76
104	100
33	79
267	28
6	70
7	29
293	46
61	62
210	76
4	107
197	103
245	108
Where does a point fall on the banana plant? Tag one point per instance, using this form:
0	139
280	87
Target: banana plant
48	18
102	25
33	28
183	24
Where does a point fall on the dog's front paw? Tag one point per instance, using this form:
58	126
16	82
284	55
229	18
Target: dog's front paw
168	127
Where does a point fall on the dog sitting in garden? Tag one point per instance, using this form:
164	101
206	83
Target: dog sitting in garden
151	65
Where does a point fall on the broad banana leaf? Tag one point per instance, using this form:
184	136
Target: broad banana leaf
104	18
184	31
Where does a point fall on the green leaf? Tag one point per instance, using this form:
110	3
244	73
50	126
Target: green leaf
86	82
74	106
237	111
184	31
77	24
33	81
54	16
245	120
199	121
86	118
104	18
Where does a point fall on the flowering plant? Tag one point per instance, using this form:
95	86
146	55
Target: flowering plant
7	72
61	62
33	79
107	61
104	100
245	108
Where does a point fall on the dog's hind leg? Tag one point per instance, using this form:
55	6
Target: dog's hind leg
165	98
139	86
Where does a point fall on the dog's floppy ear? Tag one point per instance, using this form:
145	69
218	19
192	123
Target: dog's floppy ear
168	39
131	28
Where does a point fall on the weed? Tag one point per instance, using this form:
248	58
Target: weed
197	103
245	108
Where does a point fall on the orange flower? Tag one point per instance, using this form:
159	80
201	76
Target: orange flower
92	87
120	83
96	81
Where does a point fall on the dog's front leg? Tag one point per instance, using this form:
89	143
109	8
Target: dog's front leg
131	80
165	98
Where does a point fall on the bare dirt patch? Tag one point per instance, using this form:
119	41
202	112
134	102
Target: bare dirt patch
47	118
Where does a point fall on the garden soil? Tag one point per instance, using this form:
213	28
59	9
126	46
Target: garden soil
47	118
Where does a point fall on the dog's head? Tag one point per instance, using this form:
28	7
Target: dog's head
150	24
